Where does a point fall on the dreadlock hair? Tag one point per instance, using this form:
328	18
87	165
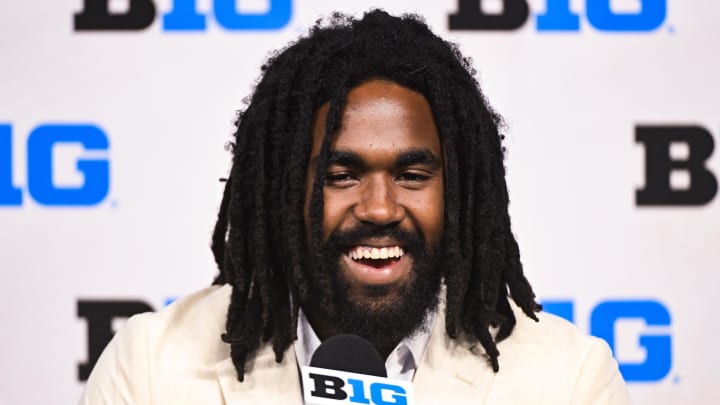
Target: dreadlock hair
260	243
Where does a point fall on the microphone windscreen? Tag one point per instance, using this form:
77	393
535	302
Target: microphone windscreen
349	353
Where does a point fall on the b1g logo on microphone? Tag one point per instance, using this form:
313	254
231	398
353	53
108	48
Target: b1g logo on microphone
323	386
88	183
603	15
98	15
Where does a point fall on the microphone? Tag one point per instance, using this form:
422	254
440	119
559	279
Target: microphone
346	369
349	353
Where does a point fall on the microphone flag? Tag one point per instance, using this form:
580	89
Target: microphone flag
346	369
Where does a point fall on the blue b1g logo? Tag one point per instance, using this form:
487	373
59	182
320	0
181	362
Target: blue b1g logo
603	323
40	184
558	16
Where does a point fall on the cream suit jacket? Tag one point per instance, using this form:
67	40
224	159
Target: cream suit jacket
175	356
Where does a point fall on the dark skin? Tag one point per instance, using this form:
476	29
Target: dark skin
385	169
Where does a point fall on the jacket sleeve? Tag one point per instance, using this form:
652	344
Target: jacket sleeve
599	381
121	374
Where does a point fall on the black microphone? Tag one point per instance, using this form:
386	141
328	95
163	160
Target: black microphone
348	369
349	353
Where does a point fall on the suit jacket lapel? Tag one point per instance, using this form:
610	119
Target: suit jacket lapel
452	369
267	382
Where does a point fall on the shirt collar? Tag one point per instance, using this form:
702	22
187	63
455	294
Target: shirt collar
401	363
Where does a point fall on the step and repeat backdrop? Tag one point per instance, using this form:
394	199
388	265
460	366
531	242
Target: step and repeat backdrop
114	115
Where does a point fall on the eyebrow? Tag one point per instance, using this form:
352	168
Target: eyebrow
417	157
410	157
346	158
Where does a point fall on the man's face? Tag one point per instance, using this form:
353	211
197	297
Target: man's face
383	195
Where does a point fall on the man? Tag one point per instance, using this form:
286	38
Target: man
366	196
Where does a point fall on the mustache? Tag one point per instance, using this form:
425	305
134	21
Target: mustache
410	240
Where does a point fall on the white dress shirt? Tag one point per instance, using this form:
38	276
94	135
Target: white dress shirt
400	364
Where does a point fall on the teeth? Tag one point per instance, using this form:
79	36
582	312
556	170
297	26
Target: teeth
367	252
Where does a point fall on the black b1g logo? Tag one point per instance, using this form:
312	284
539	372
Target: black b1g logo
697	146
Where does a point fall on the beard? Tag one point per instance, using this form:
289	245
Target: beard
383	314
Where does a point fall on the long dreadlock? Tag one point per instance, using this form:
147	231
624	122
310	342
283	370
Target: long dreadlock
260	243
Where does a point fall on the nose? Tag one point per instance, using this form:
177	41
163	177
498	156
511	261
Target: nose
378	203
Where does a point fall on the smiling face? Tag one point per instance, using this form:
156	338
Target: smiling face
383	195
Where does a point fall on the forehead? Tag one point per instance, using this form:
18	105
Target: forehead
380	118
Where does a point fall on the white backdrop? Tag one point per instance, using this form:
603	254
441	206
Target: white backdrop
164	101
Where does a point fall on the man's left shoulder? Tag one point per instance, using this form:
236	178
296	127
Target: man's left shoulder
550	332
553	356
551	338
